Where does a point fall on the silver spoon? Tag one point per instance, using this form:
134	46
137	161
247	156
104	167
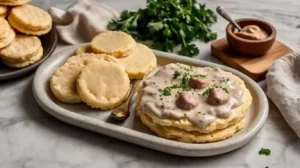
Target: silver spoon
221	11
122	112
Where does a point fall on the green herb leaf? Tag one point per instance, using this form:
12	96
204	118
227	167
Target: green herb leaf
169	23
207	91
167	91
189	50
184	82
200	76
265	151
176	74
225	90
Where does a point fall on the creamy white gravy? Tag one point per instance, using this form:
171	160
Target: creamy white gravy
164	105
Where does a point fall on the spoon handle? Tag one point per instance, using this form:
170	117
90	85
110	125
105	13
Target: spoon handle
134	87
221	11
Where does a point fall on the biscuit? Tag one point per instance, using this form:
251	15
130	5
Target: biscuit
3	11
32	60
22	49
102	84
84	49
192	136
116	43
13	2
86	57
237	114
30	20
7	34
139	62
63	81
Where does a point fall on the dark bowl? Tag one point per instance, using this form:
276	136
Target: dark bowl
49	42
247	47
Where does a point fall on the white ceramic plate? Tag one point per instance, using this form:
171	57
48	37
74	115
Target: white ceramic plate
132	130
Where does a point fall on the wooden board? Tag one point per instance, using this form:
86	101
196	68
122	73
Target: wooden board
254	67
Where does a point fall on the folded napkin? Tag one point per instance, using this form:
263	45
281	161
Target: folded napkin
82	20
283	80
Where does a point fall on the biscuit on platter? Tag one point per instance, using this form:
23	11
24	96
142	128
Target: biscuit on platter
84	49
13	2
86	57
30	20
3	11
139	62
7	34
116	43
169	101
102	84
35	58
22	49
193	136
63	81
237	114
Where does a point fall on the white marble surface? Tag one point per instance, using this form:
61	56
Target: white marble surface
30	138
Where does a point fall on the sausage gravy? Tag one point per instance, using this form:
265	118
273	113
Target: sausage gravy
169	94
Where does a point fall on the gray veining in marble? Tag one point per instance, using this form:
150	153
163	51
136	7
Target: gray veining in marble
30	138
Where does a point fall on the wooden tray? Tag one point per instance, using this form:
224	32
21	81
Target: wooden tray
132	130
255	67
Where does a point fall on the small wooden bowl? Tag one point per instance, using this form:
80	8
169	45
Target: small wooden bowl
247	47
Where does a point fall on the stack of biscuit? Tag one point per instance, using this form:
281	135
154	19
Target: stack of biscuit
99	73
19	44
183	130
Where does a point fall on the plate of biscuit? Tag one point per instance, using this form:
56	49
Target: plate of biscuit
27	38
183	106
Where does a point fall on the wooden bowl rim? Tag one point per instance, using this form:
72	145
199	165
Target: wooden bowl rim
271	37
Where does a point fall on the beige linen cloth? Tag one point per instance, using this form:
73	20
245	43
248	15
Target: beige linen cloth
283	80
82	20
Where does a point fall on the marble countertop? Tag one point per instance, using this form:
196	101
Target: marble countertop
31	138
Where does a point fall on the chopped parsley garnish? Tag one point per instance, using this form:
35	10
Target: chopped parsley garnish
224	80
176	74
189	69
207	91
265	151
200	76
167	91
184	82
225	90
175	86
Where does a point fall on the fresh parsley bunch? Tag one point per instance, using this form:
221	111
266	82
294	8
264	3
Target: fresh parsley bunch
168	23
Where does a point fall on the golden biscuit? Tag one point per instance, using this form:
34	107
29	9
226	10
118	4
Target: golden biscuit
14	2
84	49
3	11
7	34
102	84
85	57
192	136
22	49
116	43
32	60
237	114
30	20
63	81
139	62
193	104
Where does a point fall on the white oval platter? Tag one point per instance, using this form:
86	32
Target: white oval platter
132	130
